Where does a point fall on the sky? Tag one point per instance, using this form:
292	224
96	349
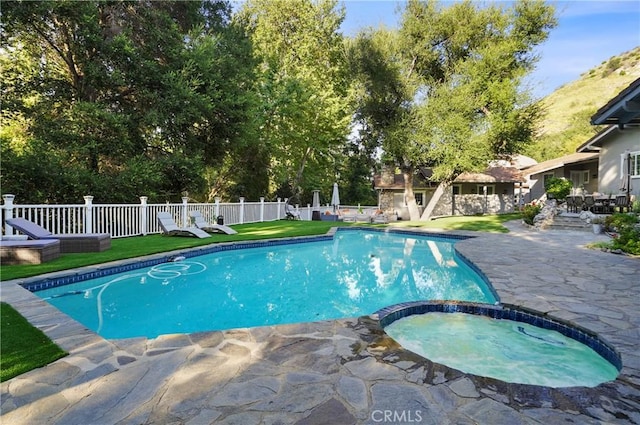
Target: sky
588	33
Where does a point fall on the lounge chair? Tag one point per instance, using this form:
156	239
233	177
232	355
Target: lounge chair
348	216
200	222
29	251
291	212
169	227
81	242
379	218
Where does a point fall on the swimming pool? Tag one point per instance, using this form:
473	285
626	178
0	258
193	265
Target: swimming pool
503	342
355	273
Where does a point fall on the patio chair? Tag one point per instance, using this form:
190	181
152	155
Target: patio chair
81	242
589	203
571	204
200	222
621	202
348	215
169	227
291	212
379	218
579	203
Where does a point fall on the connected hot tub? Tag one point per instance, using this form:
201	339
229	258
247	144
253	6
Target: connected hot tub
502	342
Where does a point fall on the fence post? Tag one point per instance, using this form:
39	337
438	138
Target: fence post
185	217
261	209
8	211
241	209
88	214
217	208
278	213
143	215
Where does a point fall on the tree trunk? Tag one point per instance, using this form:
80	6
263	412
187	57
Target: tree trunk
298	179
428	209
409	196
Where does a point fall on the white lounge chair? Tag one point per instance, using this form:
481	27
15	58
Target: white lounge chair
200	222
292	213
379	218
169	227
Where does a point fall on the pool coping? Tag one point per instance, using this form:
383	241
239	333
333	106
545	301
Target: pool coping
49	318
72	336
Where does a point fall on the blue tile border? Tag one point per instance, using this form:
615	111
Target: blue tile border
96	271
390	314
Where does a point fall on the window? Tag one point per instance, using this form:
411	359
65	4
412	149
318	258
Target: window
629	162
457	189
419	198
579	178
490	189
635	164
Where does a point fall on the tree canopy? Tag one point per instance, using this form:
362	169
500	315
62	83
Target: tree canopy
445	90
121	99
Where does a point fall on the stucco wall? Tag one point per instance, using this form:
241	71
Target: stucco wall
610	169
536	181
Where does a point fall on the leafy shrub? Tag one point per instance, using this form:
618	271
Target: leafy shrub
558	188
529	211
627	230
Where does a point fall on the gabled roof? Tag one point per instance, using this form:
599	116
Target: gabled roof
552	164
595	143
492	175
423	178
622	109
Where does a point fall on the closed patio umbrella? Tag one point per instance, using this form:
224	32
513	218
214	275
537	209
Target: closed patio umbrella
335	197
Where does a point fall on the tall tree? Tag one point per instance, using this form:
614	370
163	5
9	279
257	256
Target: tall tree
107	86
302	86
460	70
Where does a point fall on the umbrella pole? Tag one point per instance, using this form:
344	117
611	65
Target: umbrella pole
628	181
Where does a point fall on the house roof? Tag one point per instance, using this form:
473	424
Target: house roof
622	109
492	175
552	164
595	143
519	161
423	178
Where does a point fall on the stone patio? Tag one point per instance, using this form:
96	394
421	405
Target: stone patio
344	371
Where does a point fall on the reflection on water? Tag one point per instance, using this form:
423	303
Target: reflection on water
355	274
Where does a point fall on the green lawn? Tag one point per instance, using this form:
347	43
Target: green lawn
22	346
25	348
480	223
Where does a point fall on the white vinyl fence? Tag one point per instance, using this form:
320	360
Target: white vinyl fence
122	220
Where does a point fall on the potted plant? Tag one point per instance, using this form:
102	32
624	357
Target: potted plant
597	223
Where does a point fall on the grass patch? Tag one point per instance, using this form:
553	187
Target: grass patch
483	223
136	246
23	347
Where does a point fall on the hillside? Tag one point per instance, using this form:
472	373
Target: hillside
569	108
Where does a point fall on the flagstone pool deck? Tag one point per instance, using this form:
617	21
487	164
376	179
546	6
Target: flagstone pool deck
342	371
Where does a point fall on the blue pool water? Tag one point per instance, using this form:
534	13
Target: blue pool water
356	273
